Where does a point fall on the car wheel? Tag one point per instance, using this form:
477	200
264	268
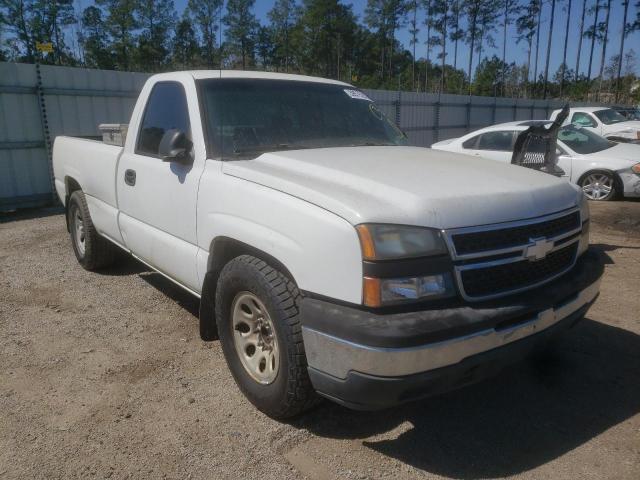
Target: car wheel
259	329
599	186
92	251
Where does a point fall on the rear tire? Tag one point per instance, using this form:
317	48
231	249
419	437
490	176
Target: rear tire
92	251
259	328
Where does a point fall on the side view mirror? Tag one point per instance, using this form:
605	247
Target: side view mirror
175	147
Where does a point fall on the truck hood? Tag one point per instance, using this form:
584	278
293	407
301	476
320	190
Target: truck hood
628	129
408	185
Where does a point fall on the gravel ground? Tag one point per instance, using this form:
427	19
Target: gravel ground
104	375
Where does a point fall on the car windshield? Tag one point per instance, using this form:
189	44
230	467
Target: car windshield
633	114
248	117
609	116
582	141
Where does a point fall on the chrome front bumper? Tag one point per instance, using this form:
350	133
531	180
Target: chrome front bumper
338	357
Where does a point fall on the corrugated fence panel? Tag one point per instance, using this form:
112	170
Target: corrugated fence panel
24	169
76	100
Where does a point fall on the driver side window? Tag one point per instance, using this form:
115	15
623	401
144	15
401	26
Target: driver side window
166	109
583	120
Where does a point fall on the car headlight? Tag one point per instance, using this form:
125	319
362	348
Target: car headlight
384	243
636	168
583	244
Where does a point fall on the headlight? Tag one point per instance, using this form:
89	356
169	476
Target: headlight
583	244
636	168
385	242
386	291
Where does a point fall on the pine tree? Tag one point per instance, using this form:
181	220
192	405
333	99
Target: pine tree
510	8
580	37
473	12
428	21
563	66
538	28
623	33
156	20
19	17
592	33
241	26
53	17
265	47
121	25
327	31
457	33
207	14
440	17
413	31
526	28
605	40
95	40
283	16
546	65
184	45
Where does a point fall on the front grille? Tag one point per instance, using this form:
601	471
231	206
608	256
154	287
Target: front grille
475	242
480	282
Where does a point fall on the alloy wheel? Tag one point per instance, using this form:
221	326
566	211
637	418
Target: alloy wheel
598	186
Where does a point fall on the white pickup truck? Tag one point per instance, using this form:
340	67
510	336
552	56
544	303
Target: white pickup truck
330	258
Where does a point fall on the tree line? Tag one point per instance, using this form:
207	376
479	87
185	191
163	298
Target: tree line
326	38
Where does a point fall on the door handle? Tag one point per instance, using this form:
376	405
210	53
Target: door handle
130	177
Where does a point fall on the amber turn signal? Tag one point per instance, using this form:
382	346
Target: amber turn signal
366	242
371	292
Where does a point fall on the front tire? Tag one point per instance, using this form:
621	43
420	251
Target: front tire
599	185
92	251
259	328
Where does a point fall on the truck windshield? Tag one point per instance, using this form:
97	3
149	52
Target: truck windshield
609	116
247	117
582	141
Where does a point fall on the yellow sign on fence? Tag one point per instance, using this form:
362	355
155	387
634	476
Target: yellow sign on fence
44	47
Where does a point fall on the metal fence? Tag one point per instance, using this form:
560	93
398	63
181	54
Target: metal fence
38	102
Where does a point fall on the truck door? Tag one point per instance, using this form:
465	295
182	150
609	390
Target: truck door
157	198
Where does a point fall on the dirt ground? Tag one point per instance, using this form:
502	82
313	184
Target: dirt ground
104	376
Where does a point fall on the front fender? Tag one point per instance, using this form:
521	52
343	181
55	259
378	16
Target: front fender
320	249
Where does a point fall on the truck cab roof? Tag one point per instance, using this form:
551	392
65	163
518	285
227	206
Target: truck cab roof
213	74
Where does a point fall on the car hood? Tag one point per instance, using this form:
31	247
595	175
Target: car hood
628	129
408	185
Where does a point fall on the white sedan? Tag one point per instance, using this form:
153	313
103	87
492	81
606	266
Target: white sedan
602	168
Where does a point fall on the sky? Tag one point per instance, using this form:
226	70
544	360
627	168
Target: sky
515	52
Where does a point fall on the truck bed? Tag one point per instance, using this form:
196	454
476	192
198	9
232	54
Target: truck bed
93	165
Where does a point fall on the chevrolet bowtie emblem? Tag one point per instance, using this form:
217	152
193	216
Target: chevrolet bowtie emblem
538	248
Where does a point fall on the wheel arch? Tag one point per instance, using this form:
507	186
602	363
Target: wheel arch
70	185
221	251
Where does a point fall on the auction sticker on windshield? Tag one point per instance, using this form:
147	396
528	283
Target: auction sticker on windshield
357	94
